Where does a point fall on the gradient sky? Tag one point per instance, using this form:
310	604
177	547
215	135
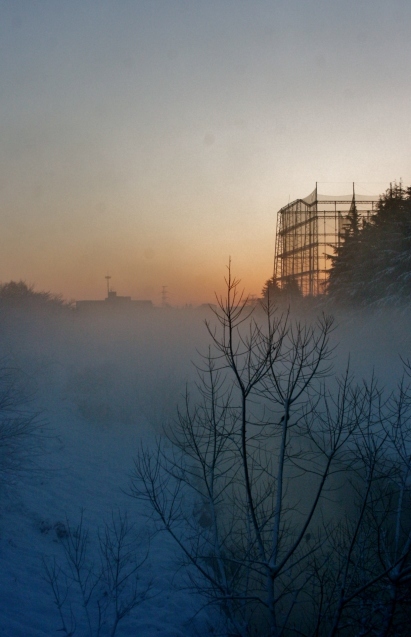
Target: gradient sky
151	139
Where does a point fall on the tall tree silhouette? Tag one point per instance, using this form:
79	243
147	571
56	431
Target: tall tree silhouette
373	263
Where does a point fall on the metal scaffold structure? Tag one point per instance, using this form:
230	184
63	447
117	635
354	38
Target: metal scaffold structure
308	231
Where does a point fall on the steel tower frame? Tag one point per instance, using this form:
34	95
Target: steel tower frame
308	231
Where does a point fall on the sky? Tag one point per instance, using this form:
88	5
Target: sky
152	140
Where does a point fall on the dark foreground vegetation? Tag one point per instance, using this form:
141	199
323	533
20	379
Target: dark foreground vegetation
287	489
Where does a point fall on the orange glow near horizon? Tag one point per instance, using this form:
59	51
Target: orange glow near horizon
191	287
154	144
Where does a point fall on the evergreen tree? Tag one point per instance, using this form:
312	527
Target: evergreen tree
291	289
373	263
271	290
275	294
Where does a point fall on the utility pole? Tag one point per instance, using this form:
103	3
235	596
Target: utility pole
164	296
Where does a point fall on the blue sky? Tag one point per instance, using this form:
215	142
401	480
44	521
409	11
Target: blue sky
153	139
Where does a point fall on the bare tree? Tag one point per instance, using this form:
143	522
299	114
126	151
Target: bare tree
96	592
22	431
269	480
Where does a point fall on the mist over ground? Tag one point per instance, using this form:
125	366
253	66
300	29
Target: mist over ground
103	384
127	364
116	367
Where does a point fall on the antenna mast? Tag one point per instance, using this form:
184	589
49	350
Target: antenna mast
108	277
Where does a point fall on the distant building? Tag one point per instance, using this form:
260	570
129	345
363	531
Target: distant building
113	302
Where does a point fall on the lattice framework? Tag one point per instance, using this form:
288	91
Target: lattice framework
308	231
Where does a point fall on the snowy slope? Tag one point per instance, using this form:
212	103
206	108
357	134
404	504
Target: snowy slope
85	466
86	470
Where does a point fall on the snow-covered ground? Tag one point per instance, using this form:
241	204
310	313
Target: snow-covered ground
102	387
89	440
86	470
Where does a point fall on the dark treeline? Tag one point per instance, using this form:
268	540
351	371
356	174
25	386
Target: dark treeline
20	293
373	264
